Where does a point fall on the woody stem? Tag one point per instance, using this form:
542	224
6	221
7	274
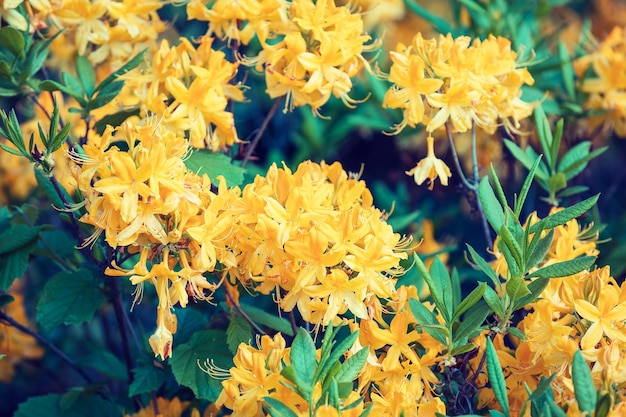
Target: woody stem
259	133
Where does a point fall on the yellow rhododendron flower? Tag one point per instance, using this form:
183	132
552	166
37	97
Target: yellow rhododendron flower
430	168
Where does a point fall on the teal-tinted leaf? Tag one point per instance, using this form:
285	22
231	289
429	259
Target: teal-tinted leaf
6	299
86	74
204	346
565	269
37	56
48	188
542	387
264	318
434	287
555	410
335	354
513	267
459	350
507	238
351	367
577	167
133	63
491	206
482	264
584	388
114	119
13	265
493	301
519	203
567	71
146	378
18	236
472	322
570	191
278	409
427	320
441	278
52	405
107	94
50	85
104	362
516	288
469	301
9	92
526	159
238	331
303	358
70	297
215	164
73	86
496	377
565	215
12	40
535	287
189	321
540	250
514	331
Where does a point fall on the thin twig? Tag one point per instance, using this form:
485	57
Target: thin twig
260	132
11	322
243	313
292	320
118	308
457	163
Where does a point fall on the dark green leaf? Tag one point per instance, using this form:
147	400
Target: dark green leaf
50	85
52	405
496	377
459	350
114	119
133	63
433	286
516	288
266	319
107	94
557	182
542	387
189	321
147	378
565	215
6	299
9	92
73	86
441	278
238	331
603	406
526	159
491	206
511	243
351	367
535	287
570	191
278	409
577	167
69	298
469	301
565	268
18	236
215	164
555	410
13	40
427	320
514	331
13	265
519	203
539	251
493	301
484	266
584	388
472	322
336	353
204	346
104	362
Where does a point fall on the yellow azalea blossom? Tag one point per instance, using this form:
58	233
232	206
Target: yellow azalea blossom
430	167
166	408
607	318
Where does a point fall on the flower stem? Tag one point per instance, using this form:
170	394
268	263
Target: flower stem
259	133
457	163
243	313
11	322
118	308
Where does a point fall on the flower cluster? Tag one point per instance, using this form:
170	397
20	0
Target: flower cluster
606	86
311	50
314	238
458	82
586	311
188	87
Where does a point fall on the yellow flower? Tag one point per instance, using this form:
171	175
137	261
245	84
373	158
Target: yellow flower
431	167
607	318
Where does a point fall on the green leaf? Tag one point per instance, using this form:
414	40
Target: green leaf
519	203
133	63
491	206
526	159
336	353
473	322
12	40
578	166
535	287
114	119
493	301
351	367
496	377
277	408
189	321
18	236
73	86
434	287
516	288
70	297
86	75
603	406
567	71
303	358
83	405
441	278
459	350
46	185
206	345
440	24
238	331
584	388
50	85
146	378
215	164
542	387
565	215
469	301
266	319
557	182
540	250
13	265
511	243
564	269
104	362
514	331
484	266
428	321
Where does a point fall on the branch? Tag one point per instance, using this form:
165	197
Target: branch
260	132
